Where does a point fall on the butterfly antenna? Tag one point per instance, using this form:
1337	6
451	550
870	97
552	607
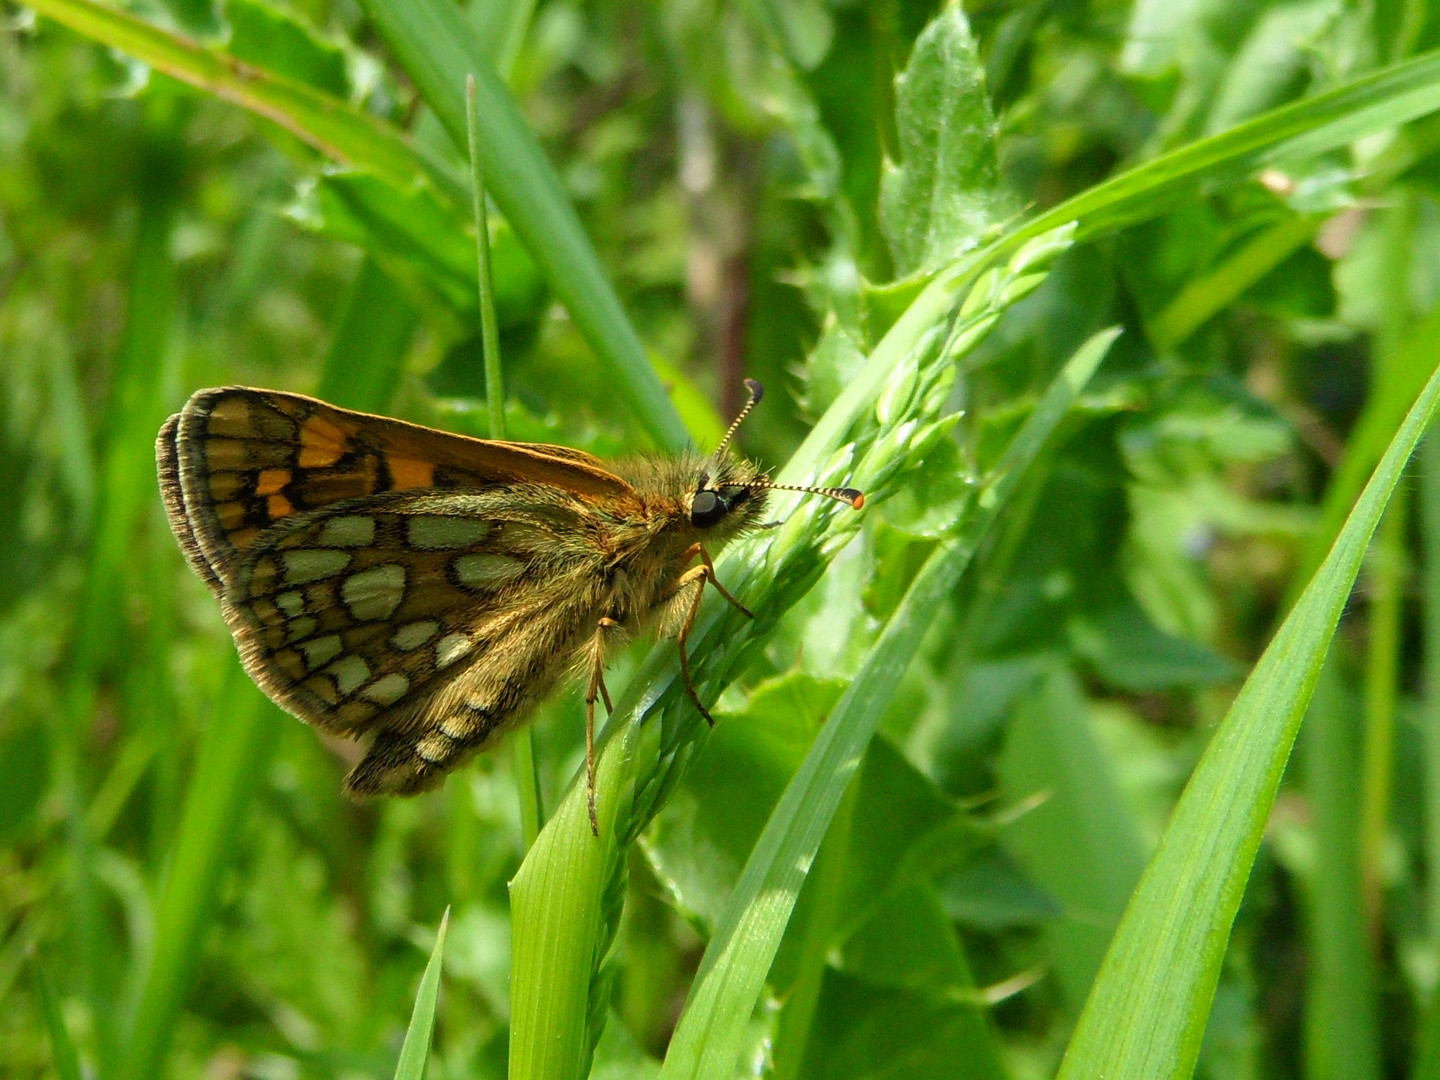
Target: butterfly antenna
849	496
756	393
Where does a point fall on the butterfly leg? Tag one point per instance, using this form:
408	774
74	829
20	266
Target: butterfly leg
715	580
595	688
691	579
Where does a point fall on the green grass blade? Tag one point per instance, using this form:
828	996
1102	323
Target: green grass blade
62	1048
372	338
711	1032
1430	535
1379	101
1211	293
1376	102
1147	1012
226	771
1342	1031
522	743
438	50
415	1050
1382	687
332	126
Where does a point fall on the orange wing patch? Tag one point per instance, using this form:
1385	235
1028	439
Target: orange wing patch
235	462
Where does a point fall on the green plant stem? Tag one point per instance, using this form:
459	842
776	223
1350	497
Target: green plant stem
527	779
1382	674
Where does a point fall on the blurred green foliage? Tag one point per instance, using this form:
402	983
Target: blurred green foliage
183	891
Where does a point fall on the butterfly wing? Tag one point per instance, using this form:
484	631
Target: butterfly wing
433	620
235	462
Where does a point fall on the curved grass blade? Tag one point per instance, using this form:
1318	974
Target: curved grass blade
415	1050
711	1033
438	50
432	42
330	125
1147	1012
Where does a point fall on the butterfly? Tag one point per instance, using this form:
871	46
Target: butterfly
424	590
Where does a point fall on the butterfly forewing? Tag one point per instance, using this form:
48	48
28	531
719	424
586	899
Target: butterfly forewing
382	577
235	462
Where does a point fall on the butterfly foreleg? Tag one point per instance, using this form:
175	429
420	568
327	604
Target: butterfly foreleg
594	688
714	579
692	580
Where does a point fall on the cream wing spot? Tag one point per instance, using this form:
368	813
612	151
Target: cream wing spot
312	565
487	571
349	672
443	532
291	603
433	748
387	689
321	650
342	532
302	627
374	594
457	727
451	648
412	635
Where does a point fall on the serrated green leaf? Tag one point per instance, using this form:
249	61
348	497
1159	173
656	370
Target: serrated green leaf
938	200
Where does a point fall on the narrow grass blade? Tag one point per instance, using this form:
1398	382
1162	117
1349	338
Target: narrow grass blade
225	774
62	1048
522	742
1382	688
415	1050
1147	1012
438	50
331	125
1342	1030
711	1032
1206	296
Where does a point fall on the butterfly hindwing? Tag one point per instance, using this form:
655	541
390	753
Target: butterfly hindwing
431	618
236	462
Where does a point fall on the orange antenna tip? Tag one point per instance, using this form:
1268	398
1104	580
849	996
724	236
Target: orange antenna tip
849	496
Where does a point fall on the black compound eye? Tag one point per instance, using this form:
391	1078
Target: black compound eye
706	509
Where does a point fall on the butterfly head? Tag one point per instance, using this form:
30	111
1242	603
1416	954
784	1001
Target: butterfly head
733	493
